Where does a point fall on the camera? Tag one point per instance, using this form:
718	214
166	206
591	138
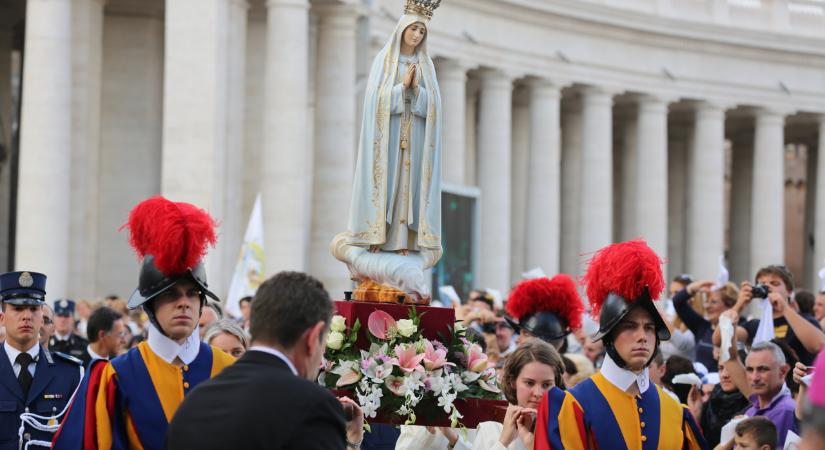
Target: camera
760	291
489	327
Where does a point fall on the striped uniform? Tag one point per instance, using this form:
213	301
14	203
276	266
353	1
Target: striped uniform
596	414
130	401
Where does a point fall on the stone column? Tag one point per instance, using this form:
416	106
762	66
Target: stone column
706	193
42	242
819	210
452	79
131	135
519	161
195	111
544	178
596	206
234	222
5	134
767	204
741	196
650	218
87	53
334	143
494	165
286	161
571	171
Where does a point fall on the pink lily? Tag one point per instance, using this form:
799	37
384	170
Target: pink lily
434	358
476	359
380	323
407	358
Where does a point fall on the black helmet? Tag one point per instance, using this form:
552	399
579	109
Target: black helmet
152	282
548	309
616	307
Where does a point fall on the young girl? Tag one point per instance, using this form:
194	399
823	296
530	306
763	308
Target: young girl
532	369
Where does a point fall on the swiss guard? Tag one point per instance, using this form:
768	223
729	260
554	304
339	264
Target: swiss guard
128	402
36	383
619	408
545	308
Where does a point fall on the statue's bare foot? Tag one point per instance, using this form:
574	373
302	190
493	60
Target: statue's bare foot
403	252
374	248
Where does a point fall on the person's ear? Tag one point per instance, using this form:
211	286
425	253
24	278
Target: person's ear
784	370
314	336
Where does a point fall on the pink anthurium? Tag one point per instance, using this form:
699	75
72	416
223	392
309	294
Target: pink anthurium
476	359
434	358
407	358
380	323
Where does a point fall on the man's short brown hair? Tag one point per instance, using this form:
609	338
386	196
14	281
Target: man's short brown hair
287	305
760	428
781	272
529	351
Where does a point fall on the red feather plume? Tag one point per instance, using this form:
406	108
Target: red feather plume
625	269
176	234
558	296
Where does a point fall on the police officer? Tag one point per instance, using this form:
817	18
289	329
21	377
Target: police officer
33	380
64	339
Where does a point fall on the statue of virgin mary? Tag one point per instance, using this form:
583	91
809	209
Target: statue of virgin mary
396	197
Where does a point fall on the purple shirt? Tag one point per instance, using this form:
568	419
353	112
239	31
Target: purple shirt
780	411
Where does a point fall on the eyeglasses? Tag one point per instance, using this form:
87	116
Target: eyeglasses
47	321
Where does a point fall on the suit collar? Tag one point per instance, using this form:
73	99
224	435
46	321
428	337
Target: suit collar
267	354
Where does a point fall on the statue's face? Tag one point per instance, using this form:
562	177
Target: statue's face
415	34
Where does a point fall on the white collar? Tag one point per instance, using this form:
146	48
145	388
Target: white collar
93	354
13	352
62	337
272	351
623	378
168	349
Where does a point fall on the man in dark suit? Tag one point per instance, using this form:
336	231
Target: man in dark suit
269	398
33	380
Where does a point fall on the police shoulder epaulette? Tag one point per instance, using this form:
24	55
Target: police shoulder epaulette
68	358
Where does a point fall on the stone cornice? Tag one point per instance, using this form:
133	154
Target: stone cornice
615	22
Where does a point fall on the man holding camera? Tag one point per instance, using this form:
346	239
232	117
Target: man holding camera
802	333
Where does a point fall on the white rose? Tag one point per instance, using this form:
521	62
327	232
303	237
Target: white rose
406	327
339	324
335	340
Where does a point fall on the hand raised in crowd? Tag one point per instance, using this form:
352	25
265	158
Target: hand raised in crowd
799	371
745	296
695	403
510	429
355	420
778	302
526	422
731	314
700	286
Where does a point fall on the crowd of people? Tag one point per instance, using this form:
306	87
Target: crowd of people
713	365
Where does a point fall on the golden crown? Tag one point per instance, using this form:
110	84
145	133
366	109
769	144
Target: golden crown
423	8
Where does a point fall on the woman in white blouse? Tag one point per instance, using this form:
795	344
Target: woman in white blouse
531	370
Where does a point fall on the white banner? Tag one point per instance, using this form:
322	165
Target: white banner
249	271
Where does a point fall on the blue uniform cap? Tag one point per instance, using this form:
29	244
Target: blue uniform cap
23	288
64	307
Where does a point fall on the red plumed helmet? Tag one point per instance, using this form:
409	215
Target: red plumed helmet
558	295
176	234
624	269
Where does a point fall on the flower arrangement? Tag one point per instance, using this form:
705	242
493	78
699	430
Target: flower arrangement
402	372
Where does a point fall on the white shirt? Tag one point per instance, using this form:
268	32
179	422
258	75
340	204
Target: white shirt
623	378
168	349
93	354
272	351
12	353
